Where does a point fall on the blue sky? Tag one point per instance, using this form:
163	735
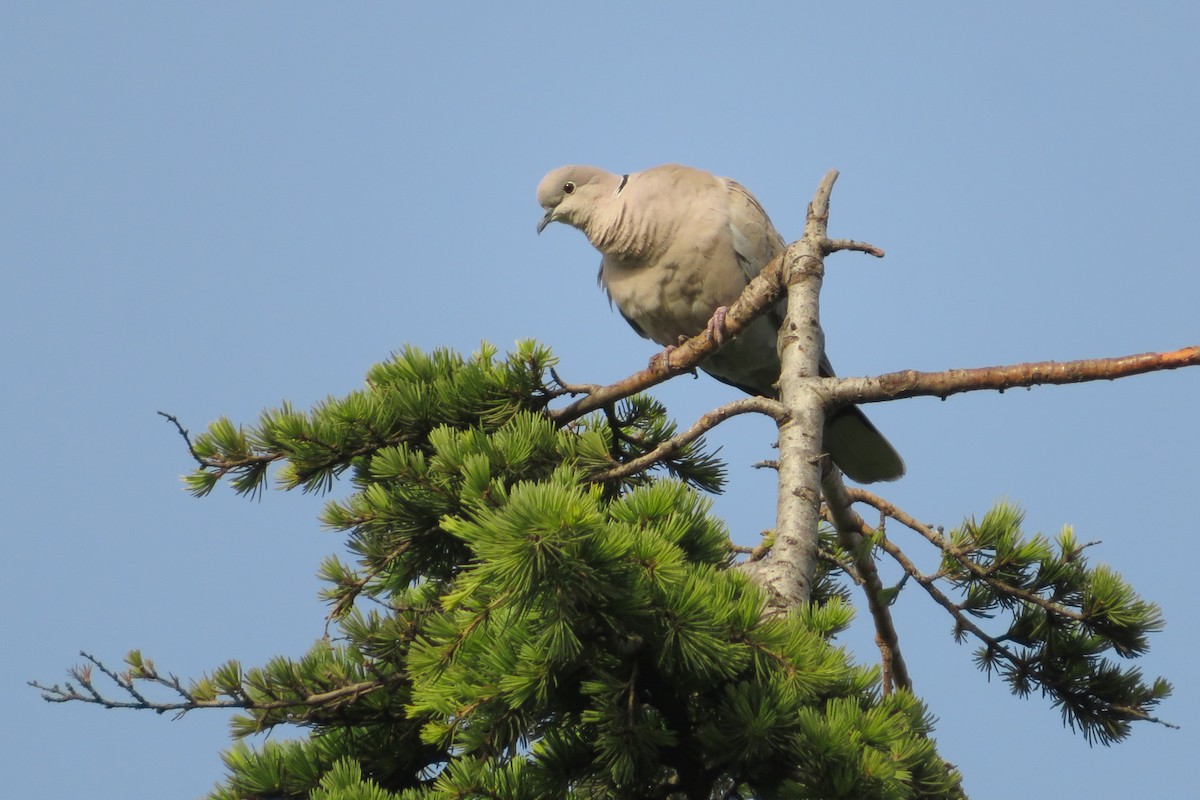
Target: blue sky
208	208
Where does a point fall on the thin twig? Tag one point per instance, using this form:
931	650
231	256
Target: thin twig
347	599
573	388
186	437
702	425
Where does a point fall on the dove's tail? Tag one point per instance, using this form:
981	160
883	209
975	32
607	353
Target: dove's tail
859	449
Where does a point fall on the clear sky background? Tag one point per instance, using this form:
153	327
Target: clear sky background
207	208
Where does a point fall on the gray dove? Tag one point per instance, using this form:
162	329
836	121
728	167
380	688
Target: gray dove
679	245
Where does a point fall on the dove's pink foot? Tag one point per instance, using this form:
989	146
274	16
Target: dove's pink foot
663	358
716	325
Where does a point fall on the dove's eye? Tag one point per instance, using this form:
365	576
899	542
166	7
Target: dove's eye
569	187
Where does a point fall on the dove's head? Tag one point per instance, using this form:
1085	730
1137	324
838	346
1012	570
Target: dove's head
571	194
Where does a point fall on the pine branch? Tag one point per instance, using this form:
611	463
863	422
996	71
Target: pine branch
189	701
1086	702
1026	668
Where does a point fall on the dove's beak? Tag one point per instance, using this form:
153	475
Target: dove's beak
546	220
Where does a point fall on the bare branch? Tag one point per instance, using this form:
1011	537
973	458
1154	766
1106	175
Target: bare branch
911	383
852	532
834	245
